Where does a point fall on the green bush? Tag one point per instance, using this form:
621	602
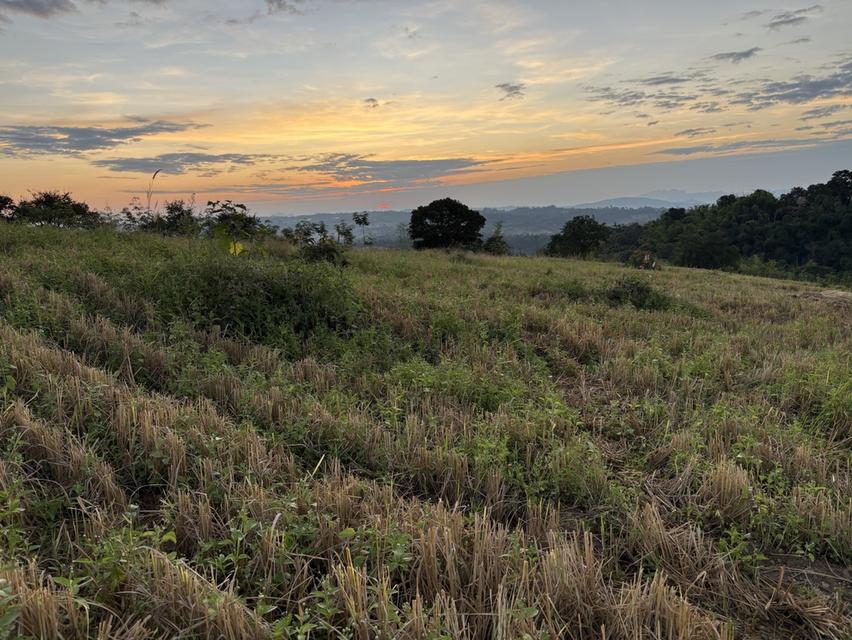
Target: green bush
638	293
496	245
325	249
251	297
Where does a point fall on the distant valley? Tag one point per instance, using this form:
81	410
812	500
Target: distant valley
526	229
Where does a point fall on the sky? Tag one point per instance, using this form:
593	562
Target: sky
298	106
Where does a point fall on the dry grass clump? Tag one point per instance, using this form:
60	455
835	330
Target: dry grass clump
39	607
824	515
175	598
69	462
101	295
8	282
726	491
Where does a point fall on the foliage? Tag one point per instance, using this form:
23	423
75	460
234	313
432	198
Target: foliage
54	209
315	243
345	234
247	297
806	232
362	220
581	236
445	223
642	260
178	219
496	244
232	220
7	207
637	292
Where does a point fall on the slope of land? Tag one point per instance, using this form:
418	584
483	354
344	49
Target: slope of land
421	445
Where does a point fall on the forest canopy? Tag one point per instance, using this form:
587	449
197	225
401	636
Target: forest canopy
805	232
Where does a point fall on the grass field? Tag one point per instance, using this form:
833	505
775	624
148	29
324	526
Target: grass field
421	445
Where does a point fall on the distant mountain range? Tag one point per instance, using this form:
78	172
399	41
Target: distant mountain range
655	199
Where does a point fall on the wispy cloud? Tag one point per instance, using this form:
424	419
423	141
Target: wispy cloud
366	169
665	99
800	89
375	103
793	18
709	95
70	140
284	6
179	163
345	171
824	112
736	56
37	8
696	132
511	90
710	106
50	8
670	78
742	146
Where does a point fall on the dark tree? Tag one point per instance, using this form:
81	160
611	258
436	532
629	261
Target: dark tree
345	234
445	223
306	232
580	236
706	251
55	209
496	245
363	220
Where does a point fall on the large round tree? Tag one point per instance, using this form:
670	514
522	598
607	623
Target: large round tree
445	223
580	236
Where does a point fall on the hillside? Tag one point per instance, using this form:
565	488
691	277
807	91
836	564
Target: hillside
419	445
805	232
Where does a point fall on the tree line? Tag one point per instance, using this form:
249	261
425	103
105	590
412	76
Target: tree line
806	232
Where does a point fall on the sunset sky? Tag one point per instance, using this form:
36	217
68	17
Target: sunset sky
335	105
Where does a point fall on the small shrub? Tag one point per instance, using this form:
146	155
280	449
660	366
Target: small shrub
638	293
178	219
316	244
280	248
259	298
496	245
643	260
326	249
